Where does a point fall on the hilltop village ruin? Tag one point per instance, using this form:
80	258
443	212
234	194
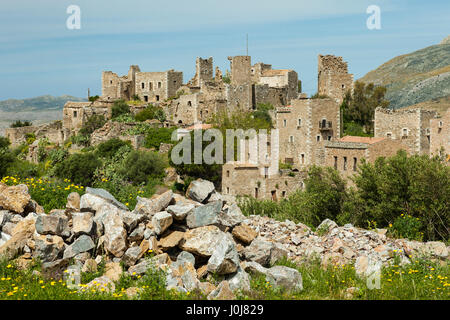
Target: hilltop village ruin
309	128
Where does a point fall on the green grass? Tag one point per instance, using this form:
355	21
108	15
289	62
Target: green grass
420	280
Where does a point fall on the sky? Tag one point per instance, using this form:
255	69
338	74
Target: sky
39	55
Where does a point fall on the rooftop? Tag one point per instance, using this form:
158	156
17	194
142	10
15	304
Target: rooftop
368	140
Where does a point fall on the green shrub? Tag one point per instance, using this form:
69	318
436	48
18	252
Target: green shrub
92	123
79	168
416	185
119	107
94	98
19	124
156	136
140	166
7	159
109	148
408	227
4	142
151	112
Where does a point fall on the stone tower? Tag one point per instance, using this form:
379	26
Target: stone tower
333	77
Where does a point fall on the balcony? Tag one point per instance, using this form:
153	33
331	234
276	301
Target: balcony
325	125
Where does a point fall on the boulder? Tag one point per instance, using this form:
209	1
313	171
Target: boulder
180	211
131	256
90	265
106	196
161	221
82	223
115	234
113	271
224	259
365	266
185	256
287	278
83	244
157	203
259	251
244	233
132	219
49	248
171	240
239	281
222	292
5	217
327	225
22	233
186	274
204	215
51	224
14	198
137	234
199	190
73	201
202	241
231	216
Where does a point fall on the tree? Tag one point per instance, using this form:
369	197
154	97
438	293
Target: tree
79	168
359	108
109	148
7	158
140	166
119	107
416	186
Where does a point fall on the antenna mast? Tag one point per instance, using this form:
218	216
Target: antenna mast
247	44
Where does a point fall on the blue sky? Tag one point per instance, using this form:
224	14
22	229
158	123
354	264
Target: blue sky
39	55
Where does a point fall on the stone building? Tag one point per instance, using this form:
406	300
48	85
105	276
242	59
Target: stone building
52	131
440	135
75	114
158	86
303	127
333	77
248	179
345	154
115	87
411	127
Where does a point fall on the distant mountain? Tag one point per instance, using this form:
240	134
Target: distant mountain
420	76
38	110
41	103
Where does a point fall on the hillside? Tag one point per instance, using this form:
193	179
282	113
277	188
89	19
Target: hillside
39	110
416	77
37	103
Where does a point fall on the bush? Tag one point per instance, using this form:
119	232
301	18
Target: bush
417	186
156	136
93	123
119	107
151	112
79	168
19	124
6	160
94	98
140	166
406	226
4	142
109	148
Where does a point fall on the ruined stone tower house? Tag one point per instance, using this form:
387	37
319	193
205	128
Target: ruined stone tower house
333	77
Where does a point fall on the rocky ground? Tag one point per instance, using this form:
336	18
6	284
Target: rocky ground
194	239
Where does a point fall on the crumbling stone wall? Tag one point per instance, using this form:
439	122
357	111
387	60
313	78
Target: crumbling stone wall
263	93
115	87
52	131
240	70
17	136
116	130
411	127
281	79
203	71
75	114
304	126
333	77
249	179
440	135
